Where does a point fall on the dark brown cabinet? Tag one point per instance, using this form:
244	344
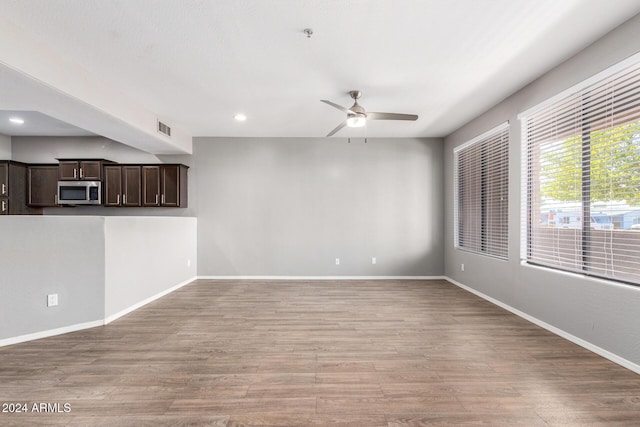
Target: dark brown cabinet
85	170
131	186
4	188
170	186
150	185
122	185
112	186
164	185
4	179
42	185
13	189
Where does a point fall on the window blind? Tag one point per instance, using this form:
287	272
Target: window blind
481	184
582	173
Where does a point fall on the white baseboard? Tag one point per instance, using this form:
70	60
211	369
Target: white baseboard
50	333
564	334
146	301
322	277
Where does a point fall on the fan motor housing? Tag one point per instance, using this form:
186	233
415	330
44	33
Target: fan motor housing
358	109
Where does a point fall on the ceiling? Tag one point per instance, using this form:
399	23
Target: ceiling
196	63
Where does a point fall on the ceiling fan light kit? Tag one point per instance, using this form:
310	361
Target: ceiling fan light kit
357	115
356	120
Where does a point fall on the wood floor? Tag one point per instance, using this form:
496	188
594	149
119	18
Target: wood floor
317	353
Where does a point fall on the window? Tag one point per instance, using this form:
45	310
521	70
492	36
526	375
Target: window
481	198
582	161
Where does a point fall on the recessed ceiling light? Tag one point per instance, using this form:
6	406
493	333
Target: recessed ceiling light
16	120
240	117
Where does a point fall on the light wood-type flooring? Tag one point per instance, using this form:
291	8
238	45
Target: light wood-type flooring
317	353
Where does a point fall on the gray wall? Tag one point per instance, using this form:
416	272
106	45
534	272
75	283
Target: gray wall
5	147
100	267
146	256
289	207
281	207
46	149
46	255
602	313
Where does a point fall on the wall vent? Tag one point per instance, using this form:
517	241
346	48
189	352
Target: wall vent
164	129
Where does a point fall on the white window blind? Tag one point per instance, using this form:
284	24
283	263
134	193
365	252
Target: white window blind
481	193
582	172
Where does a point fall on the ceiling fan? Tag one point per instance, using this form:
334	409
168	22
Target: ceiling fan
357	116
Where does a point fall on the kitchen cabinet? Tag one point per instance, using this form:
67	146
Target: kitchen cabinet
170	186
42	185
131	186
4	188
122	185
164	185
4	179
150	185
112	186
13	189
84	170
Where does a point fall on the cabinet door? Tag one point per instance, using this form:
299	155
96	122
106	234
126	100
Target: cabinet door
68	171
131	186
150	185
90	170
18	190
112	185
43	185
4	179
170	184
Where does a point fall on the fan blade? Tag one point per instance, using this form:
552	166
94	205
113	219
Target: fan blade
391	116
340	126
339	107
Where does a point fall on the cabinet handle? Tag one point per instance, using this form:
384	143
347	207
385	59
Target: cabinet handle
124	199
75	173
163	199
156	199
55	199
4	188
118	200
80	173
4	206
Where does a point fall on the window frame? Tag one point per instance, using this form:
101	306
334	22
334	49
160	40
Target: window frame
580	91
485	242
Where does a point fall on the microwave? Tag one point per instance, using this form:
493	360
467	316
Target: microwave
79	193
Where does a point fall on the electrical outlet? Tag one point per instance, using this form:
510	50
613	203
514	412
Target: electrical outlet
373	260
52	300
337	261
461	267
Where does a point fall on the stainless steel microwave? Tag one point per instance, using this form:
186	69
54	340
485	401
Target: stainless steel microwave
79	192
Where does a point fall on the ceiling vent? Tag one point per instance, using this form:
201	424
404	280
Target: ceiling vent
164	129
